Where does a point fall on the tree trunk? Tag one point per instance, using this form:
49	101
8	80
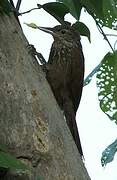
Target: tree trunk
31	123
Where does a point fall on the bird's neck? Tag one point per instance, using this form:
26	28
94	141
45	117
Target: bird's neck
62	43
61	53
65	44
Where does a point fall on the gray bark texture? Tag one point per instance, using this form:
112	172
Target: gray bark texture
31	123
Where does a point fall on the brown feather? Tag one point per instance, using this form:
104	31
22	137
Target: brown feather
65	73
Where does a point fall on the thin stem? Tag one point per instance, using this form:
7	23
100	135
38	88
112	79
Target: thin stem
115	44
28	11
18	5
111	35
104	35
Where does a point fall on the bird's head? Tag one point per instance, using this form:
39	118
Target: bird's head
62	33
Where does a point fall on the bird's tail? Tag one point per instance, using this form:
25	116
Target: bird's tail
71	122
76	136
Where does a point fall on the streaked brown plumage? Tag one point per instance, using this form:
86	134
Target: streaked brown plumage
65	73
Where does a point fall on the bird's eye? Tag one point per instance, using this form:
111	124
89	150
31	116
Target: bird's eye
63	31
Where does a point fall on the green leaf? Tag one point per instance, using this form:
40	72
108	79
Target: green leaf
109	153
39	178
9	161
3	147
90	76
56	9
110	13
107	85
93	6
103	11
83	29
5	7
32	25
74	7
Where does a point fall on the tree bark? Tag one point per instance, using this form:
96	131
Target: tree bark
31	123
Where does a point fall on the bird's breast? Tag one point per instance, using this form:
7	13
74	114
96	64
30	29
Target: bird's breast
62	53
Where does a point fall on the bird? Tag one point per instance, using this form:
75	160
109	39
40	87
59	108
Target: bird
65	73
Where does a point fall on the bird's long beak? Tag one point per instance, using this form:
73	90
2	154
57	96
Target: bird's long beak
47	30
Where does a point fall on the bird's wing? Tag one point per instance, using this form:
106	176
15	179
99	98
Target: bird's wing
77	76
52	55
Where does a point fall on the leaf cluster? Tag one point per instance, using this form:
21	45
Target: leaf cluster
8	161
